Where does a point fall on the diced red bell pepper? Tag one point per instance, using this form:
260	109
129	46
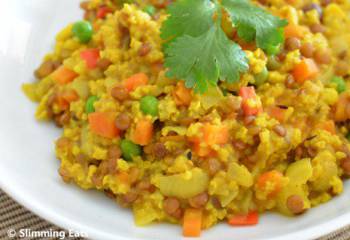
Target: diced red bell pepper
252	218
103	11
91	57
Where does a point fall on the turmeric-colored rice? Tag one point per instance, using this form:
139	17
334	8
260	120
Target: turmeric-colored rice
200	151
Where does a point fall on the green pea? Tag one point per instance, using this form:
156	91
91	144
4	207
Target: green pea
261	77
129	149
273	63
149	105
340	84
150	10
83	31
89	107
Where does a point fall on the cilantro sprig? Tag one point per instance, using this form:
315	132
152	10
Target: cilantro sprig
198	51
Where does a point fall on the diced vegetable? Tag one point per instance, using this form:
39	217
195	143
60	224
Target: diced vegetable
328	126
251	103
150	10
102	124
211	98
201	151
136	81
213	134
348	136
273	63
103	11
130	149
300	171
240	174
182	95
149	105
63	75
91	57
83	31
89	107
270	181
293	30
64	99
184	185
261	77
340	84
251	218
277	113
143	132
305	70
192	222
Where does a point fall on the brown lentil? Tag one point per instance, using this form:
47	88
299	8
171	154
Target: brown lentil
62	119
64	174
280	130
119	93
123	121
342	68
199	201
129	197
114	152
295	204
171	205
292	43
239	145
247	120
45	69
346	166
317	28
145	49
214	165
84	5
323	57
290	81
307	50
216	202
103	63
159	150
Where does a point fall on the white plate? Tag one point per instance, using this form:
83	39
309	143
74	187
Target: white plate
28	167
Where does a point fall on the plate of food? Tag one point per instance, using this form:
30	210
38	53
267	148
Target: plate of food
166	119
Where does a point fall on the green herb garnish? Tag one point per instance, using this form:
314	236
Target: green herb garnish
198	50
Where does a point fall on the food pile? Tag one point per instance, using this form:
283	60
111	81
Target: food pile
196	111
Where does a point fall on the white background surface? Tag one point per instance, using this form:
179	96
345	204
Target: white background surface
28	167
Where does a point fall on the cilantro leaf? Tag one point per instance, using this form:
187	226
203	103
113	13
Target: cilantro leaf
252	20
205	59
186	17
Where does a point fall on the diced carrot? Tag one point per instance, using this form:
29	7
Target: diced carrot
103	124
272	177
64	99
192	223
305	70
213	134
182	95
252	218
63	75
277	113
135	81
251	103
328	126
143	132
91	57
201	151
293	30
103	11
